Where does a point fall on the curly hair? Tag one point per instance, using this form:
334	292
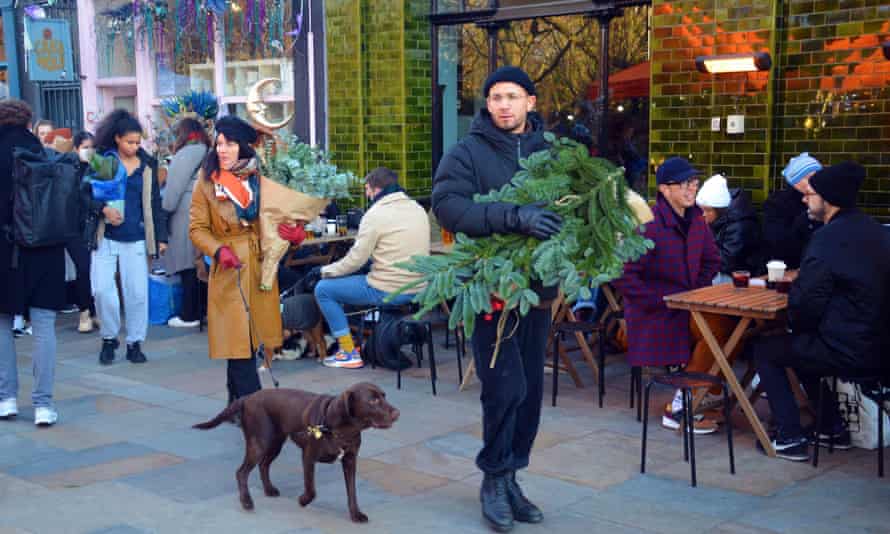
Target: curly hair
15	113
118	123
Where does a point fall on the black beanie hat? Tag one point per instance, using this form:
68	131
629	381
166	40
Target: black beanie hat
236	129
839	184
509	74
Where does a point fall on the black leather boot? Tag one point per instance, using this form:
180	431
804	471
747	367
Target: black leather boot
134	353
106	356
523	509
495	503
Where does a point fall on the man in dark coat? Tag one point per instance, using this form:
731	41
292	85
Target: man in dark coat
838	309
34	282
684	258
486	159
786	226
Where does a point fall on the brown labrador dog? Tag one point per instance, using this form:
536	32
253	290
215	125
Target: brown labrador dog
327	428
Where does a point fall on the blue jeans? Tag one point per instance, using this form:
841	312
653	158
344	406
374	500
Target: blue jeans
333	293
43	356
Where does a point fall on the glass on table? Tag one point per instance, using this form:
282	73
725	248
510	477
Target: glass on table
342	225
447	237
740	278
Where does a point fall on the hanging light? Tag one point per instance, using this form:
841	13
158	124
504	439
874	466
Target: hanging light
734	63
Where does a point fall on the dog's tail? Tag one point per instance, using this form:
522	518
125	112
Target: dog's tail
225	415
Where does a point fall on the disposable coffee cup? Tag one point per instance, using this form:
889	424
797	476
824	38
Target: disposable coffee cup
775	270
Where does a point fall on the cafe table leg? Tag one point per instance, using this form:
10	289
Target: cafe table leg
729	376
730	346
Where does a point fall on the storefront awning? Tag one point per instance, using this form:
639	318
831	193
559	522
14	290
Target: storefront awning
632	82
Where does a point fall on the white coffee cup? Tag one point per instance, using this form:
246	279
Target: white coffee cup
775	270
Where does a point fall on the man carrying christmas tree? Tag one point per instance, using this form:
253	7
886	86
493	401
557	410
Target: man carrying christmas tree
486	159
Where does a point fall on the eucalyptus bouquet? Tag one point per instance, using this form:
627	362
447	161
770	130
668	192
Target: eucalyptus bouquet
298	182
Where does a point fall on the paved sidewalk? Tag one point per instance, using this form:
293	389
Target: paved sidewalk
123	459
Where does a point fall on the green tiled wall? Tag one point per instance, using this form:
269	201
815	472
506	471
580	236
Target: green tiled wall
834	89
819	48
379	87
683	100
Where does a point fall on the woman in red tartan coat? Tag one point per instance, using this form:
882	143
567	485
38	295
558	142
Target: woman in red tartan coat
685	257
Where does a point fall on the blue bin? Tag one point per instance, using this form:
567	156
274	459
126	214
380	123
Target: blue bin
164	298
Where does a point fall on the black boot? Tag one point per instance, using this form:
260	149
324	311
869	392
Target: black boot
495	503
523	509
106	356
134	353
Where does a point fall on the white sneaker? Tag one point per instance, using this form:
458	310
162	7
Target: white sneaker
176	322
8	408
85	324
45	416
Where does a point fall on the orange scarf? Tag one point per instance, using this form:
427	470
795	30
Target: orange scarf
228	185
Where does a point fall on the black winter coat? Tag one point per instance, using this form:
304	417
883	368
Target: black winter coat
39	278
840	302
786	227
738	236
486	159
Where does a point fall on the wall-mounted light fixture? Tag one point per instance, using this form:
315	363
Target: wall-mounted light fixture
734	63
886	47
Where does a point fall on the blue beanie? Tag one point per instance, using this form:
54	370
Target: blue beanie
799	167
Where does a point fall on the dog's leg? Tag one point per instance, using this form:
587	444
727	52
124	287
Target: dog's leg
272	452
349	464
308	477
252	451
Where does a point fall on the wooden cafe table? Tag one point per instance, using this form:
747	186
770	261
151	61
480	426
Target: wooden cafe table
749	304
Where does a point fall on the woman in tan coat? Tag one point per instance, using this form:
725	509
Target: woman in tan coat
224	226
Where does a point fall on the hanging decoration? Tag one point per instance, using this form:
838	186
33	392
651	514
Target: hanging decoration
262	24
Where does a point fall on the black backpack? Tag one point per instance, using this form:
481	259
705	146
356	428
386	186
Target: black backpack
47	201
383	347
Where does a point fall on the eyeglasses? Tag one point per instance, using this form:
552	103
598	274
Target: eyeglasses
509	97
686	184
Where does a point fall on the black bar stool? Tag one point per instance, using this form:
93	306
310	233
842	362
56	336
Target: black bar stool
880	380
417	334
686	382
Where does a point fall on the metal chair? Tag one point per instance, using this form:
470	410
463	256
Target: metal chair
686	382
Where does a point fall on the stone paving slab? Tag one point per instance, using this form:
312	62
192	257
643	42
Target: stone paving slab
123	459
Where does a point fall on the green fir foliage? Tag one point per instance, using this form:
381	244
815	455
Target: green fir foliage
306	169
599	235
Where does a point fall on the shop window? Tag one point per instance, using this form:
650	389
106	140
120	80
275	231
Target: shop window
115	38
183	50
258	46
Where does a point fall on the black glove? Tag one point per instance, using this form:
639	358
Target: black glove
534	220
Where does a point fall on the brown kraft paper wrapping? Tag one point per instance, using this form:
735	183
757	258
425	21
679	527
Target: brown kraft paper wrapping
280	204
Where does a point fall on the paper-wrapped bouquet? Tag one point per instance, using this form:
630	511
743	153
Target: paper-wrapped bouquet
298	182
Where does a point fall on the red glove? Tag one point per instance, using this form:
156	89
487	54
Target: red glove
295	234
227	259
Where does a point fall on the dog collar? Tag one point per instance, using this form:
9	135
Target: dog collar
318	431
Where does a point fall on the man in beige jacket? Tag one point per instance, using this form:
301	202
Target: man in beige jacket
394	229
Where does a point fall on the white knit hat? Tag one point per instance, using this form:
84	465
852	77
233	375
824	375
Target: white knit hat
714	193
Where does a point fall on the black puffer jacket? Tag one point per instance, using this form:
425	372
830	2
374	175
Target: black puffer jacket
39	278
786	227
486	159
738	236
838	307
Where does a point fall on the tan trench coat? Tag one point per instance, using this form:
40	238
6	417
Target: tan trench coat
215	224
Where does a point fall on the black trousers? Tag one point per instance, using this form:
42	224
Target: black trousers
511	392
242	378
772	355
80	255
194	296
